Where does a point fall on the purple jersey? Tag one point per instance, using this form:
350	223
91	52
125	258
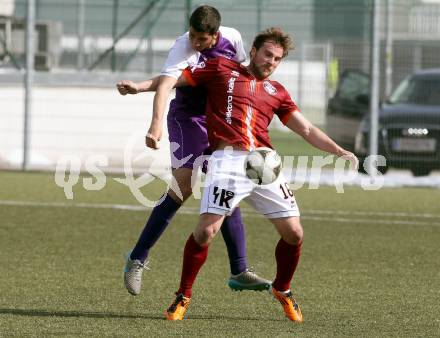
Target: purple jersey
190	101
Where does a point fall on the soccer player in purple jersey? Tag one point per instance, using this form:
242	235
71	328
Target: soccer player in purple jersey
186	121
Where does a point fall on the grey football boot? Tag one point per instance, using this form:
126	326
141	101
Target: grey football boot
133	275
248	280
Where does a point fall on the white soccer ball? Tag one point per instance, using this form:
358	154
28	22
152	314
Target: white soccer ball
263	165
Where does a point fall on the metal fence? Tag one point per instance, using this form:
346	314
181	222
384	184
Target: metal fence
82	47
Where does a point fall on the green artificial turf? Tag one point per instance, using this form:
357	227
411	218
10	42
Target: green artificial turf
370	266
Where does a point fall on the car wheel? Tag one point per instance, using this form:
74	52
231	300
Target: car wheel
421	171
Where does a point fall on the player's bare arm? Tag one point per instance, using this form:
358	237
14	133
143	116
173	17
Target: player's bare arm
163	90
129	87
317	138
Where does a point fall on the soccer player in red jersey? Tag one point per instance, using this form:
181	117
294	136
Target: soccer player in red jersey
241	102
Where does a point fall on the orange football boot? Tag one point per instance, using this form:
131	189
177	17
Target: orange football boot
177	309
289	304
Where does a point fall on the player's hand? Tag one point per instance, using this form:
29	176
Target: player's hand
152	139
349	156
127	87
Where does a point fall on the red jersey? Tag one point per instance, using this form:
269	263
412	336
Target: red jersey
239	107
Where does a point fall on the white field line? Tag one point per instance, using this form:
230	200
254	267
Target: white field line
374	213
74	205
309	215
366	220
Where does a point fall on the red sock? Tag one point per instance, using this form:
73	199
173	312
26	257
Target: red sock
287	257
194	256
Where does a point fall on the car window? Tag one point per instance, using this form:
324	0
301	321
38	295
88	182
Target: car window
352	85
418	90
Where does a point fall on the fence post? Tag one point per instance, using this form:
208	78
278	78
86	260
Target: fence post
30	54
328	56
114	33
375	81
389	50
301	65
188	10
259	16
80	31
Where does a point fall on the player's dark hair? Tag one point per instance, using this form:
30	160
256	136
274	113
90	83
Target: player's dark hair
275	35
205	19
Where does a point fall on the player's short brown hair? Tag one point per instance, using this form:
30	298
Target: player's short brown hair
275	35
205	19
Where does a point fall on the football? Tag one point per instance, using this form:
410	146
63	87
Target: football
263	165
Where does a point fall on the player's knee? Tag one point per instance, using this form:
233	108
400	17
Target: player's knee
181	189
298	235
180	195
295	235
205	234
186	192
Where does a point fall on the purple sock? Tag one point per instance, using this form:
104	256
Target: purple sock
235	239
159	219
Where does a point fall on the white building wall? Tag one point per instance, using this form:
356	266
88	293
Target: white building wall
77	122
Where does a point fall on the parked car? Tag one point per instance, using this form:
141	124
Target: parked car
409	120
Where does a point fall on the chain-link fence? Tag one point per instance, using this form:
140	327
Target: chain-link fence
82	47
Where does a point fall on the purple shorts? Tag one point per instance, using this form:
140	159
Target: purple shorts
188	140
